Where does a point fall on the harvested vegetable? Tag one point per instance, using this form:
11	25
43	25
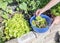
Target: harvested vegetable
39	22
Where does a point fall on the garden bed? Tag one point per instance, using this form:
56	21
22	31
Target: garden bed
15	16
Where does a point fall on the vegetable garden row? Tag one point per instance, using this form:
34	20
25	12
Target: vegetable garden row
15	16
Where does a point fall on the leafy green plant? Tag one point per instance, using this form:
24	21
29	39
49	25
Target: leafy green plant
2	39
39	22
56	10
5	10
31	5
16	26
4	3
28	6
4	14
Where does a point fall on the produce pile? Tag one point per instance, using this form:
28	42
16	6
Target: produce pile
39	22
16	26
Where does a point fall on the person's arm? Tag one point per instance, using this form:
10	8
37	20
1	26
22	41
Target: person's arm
47	7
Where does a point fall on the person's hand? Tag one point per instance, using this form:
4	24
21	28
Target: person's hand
38	12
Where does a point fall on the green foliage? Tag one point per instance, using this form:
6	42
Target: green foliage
5	10
2	39
39	22
56	10
4	3
16	26
1	34
8	1
31	5
24	5
4	14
